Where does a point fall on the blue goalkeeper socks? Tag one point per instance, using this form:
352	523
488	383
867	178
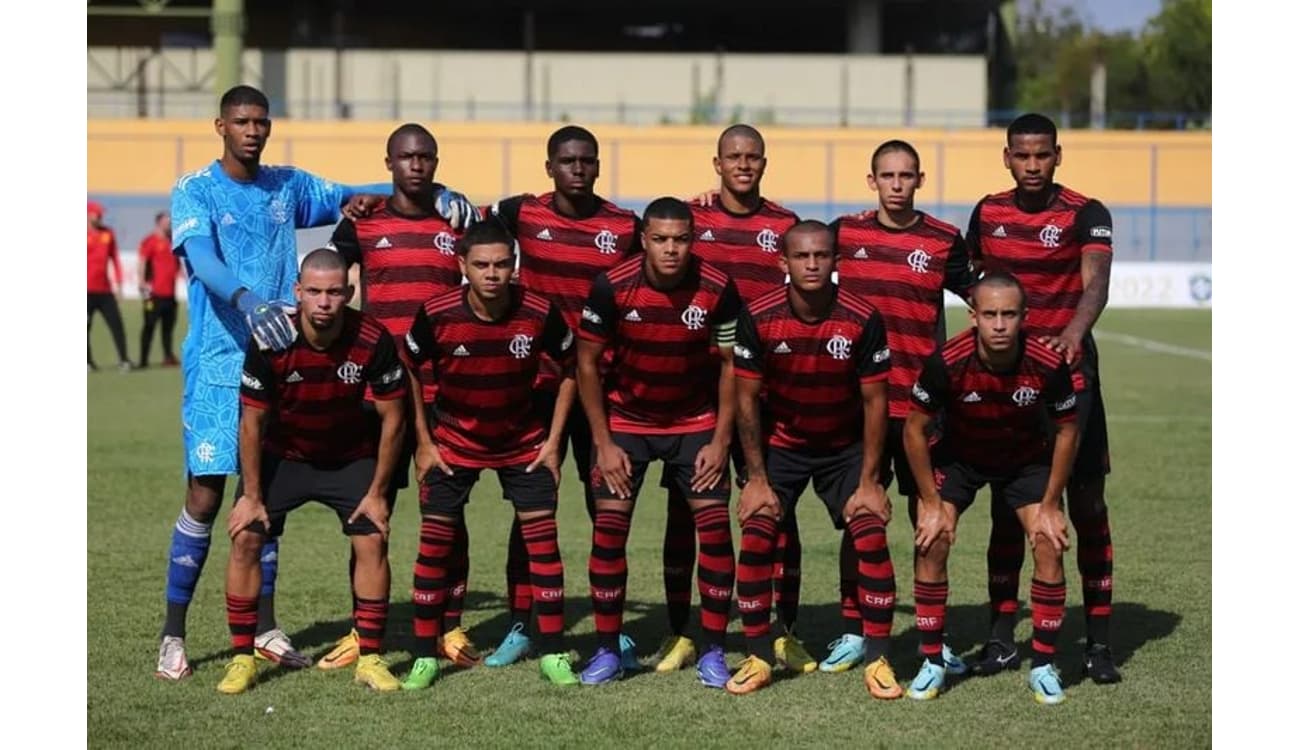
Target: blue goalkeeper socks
189	551
270	561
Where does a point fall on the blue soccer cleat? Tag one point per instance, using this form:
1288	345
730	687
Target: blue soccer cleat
846	652
604	667
953	663
712	668
928	682
514	647
1045	681
627	653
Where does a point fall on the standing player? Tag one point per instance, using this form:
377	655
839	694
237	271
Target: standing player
407	254
1058	244
566	238
661	315
233	223
158	270
485	342
997	388
740	232
101	252
303	436
899	259
815	350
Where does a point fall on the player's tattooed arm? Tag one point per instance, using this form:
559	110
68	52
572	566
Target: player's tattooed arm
1096	292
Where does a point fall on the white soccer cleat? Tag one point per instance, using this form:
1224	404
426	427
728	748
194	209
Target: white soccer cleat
274	645
172	664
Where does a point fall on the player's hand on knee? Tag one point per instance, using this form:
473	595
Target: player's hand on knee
615	470
458	210
246	512
869	497
428	458
710	461
548	456
374	507
758	498
1049	525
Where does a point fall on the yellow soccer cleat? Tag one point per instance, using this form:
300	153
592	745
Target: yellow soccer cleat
457	648
791	653
241	674
754	674
345	653
880	680
676	652
372	671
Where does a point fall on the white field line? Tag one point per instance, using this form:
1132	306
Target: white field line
1152	345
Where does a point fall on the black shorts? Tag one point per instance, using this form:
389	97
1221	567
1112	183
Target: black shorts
287	485
1093	459
893	460
737	463
447	495
835	477
678	454
958	482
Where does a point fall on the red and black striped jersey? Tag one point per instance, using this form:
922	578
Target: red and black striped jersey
485	414
315	396
902	273
747	247
996	420
812	371
1043	249
664	375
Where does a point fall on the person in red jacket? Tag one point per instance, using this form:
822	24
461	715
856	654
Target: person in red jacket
101	252
158	270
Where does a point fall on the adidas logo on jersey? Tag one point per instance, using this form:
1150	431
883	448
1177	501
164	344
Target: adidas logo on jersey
383	243
861	253
227	220
294	377
972	398
707	236
633	316
781	348
461	351
545	234
1001	231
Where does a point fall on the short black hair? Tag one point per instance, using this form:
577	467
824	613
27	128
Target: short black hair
889	147
323	259
158	216
998	280
487	232
410	128
741	129
1032	123
808	226
670	208
241	95
570	133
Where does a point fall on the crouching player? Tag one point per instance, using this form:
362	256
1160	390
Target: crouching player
821	357
484	340
303	436
997	389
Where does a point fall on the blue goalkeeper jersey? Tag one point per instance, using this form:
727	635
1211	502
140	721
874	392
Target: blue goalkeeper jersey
252	225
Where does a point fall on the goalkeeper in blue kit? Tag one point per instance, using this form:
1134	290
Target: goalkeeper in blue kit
234	222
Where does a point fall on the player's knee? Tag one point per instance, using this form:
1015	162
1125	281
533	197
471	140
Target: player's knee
203	498
246	548
1047	562
369	548
613	504
936	557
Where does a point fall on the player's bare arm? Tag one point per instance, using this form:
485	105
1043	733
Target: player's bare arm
549	455
392	415
712	458
757	495
250	507
1096	291
934	519
615	467
870	496
426	456
1049	523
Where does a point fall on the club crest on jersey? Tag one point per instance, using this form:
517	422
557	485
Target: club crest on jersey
278	210
521	345
693	317
1050	236
445	242
1024	396
839	347
766	240
918	259
606	242
350	372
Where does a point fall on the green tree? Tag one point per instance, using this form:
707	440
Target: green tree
1176	52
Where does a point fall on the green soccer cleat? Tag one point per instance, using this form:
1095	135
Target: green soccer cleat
423	672
558	669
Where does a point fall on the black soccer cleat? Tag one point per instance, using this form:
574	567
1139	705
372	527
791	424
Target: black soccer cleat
996	657
1099	665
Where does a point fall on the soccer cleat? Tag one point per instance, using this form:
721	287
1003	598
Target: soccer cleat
274	645
372	671
514	647
754	674
676	652
458	649
1045	681
558	669
995	657
605	666
880	680
846	652
791	653
1099	665
712	669
172	664
952	663
171	362
241	674
928	682
423	672
125	366
627	653
345	653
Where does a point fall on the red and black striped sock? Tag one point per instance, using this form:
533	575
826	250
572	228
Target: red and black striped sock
429	590
754	584
241	616
1047	608
370	618
1006	555
849	585
931	611
876	588
717	571
607	573
789	576
458	576
519	584
547	573
679	559
1095	557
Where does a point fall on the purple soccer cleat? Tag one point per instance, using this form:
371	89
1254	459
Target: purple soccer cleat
712	668
605	666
